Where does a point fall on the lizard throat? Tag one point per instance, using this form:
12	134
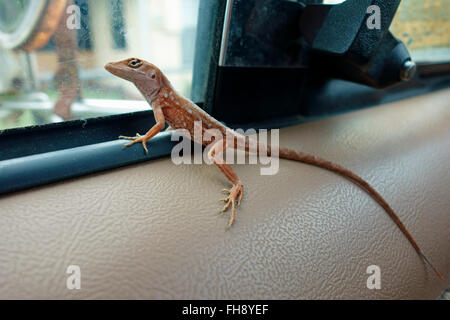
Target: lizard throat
150	94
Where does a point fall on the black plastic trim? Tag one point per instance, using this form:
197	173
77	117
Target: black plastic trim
25	172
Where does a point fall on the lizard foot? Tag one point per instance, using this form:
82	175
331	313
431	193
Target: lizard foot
138	138
234	194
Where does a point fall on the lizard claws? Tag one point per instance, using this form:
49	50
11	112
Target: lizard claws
235	195
136	139
130	138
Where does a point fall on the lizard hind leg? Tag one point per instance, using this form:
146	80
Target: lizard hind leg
234	199
236	191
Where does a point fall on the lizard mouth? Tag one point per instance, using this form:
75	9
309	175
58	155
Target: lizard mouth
117	70
110	68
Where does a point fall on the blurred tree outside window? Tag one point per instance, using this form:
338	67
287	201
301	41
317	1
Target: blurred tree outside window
162	32
117	23
424	26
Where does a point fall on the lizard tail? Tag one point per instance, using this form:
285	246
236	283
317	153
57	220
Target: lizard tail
328	165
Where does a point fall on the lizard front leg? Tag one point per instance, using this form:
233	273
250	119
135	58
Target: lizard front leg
236	191
159	126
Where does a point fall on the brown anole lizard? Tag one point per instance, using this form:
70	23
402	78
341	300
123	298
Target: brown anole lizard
181	113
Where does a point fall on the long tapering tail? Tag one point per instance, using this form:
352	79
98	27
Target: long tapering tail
289	154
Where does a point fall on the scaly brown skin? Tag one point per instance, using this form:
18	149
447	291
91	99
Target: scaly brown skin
181	113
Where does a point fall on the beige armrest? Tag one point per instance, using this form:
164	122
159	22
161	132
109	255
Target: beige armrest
152	230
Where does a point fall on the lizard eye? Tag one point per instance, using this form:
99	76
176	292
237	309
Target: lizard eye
153	76
135	63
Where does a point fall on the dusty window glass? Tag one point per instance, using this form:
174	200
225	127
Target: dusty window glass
52	55
424	26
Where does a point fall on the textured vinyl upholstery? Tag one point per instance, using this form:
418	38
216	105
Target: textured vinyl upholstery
152	230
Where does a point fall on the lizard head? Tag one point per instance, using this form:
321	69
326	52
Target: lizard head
146	76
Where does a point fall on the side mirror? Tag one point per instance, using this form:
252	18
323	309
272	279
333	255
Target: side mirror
352	41
262	59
